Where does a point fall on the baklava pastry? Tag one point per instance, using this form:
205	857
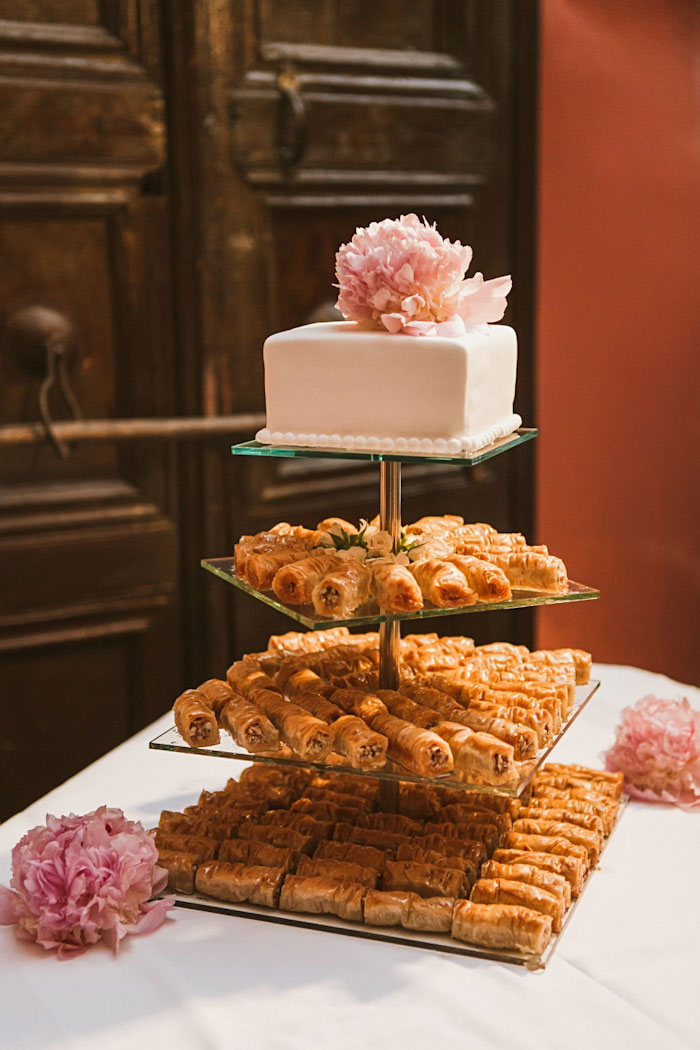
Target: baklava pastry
570	868
246	678
561	829
364	856
293	680
531	571
342	870
261	569
502	926
426	880
363	747
195	720
181	867
248	726
449	846
557	845
397	822
320	895
488	581
285	838
395	588
419	750
250	852
403	908
532	875
317	705
381	840
294	583
307	641
505	891
416	855
563	812
442	583
236	883
478	755
217	694
204	848
342	590
308	737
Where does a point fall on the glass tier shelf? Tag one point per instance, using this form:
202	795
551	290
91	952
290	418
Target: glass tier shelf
370	613
469	459
395	935
171	740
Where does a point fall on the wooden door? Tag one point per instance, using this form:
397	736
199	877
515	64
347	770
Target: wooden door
88	545
323	116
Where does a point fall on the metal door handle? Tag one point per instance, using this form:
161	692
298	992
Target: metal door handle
291	120
43	344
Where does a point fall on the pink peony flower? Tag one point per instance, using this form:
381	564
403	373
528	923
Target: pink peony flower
82	878
657	747
402	275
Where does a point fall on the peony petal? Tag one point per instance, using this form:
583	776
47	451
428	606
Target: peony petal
8	907
393	322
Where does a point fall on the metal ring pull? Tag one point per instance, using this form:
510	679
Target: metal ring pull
291	131
42	345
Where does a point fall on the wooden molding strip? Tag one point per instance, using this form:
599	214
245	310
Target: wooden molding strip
186	428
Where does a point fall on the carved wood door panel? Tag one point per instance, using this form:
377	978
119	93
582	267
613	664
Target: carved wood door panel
87	543
343	112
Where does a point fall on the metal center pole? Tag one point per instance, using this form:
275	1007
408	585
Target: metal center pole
389	633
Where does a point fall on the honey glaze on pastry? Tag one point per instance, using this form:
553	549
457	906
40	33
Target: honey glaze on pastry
502	926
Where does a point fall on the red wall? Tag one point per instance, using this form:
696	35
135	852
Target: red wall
619	326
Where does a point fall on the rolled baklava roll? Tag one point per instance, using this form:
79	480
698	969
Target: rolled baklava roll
442	583
342	590
363	747
538	720
478	755
613	780
261	569
295	582
246	678
308	737
531	571
419	802
426	880
450	846
407	909
501	926
553	799
588	821
403	707
343	870
358	702
293	680
505	891
472	830
257	884
532	875
320	895
381	840
195	720
217	694
363	856
570	868
250	852
557	845
395	588
416	855
464	811
488	581
396	822
419	750
317	705
204	848
284	838
522	739
181	866
590	840
248	726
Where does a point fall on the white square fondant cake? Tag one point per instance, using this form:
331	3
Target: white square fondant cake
415	367
336	385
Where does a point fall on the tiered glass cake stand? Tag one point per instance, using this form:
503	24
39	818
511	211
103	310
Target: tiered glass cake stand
389	662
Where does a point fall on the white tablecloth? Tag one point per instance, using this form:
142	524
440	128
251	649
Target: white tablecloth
624	975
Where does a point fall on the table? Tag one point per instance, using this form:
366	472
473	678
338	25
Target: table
624	974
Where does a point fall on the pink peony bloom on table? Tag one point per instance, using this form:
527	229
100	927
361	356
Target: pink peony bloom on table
79	879
400	274
657	747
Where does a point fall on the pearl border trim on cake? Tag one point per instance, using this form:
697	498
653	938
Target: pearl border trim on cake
413	445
